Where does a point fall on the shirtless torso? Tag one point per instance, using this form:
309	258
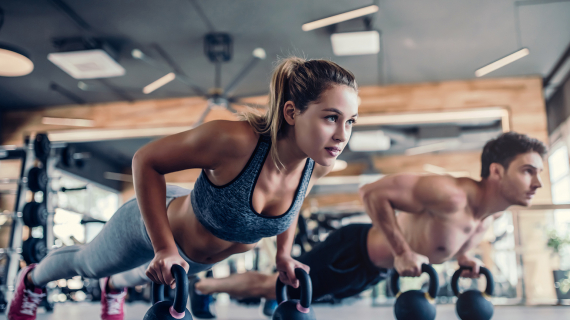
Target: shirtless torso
433	218
437	236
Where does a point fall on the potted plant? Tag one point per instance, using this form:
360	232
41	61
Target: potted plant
558	245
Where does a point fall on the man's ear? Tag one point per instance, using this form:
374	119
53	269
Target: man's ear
289	112
496	171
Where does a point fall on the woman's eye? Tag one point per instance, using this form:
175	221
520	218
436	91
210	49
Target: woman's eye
351	122
331	118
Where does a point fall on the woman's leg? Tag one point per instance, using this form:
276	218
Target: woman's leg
122	245
130	278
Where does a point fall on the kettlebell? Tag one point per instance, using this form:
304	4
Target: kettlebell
473	304
166	310
295	309
416	304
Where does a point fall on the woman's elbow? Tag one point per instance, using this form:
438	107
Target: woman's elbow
140	160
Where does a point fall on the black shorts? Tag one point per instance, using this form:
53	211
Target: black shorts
340	266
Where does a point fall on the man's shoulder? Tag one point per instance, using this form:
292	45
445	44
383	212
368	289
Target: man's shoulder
445	181
446	191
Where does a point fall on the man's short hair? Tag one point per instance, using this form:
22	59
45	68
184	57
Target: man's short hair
506	147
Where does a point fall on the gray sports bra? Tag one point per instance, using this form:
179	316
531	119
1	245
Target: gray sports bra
227	212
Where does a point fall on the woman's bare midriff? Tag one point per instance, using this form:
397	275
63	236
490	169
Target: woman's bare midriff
195	241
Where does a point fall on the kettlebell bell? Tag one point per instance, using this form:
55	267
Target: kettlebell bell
295	309
166	310
416	304
473	304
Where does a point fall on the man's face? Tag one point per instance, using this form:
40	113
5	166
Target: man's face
520	181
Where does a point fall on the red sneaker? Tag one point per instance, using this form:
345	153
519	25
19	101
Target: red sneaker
112	302
25	301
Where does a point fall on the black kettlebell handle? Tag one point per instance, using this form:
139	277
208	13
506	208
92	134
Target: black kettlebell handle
305	285
181	293
433	281
482	270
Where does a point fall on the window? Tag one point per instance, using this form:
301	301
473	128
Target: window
559	166
83	200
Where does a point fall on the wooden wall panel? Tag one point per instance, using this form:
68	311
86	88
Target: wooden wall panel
177	112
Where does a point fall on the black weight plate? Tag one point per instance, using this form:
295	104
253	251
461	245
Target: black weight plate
29	214
37	179
41	214
34	250
67	156
42	147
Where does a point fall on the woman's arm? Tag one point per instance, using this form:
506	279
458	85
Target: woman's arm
207	147
284	263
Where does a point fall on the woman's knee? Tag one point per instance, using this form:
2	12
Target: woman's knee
86	266
131	278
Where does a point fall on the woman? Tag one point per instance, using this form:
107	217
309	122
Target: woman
255	176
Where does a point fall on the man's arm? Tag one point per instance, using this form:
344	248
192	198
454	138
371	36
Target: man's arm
464	258
413	194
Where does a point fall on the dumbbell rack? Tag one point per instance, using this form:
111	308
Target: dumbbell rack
28	154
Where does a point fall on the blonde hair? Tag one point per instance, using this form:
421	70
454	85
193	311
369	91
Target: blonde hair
302	82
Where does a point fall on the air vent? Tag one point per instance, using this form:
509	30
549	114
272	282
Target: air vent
87	64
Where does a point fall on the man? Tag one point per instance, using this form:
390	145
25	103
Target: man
439	218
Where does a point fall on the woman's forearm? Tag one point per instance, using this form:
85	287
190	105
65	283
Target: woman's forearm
285	240
150	189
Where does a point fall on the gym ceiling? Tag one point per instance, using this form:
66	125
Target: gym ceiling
421	41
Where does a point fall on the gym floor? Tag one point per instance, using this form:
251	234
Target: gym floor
360	310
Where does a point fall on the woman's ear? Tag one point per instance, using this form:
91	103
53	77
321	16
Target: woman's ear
289	112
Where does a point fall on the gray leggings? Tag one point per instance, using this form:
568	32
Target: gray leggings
122	249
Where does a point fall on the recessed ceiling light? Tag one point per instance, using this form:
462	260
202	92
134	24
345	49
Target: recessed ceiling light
492	113
432	147
502	62
362	141
339	18
159	83
68	122
355	43
13	62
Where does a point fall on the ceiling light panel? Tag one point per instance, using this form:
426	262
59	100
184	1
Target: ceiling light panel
502	62
355	43
362	141
339	18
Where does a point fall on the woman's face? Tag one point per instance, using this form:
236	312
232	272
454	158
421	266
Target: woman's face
323	130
